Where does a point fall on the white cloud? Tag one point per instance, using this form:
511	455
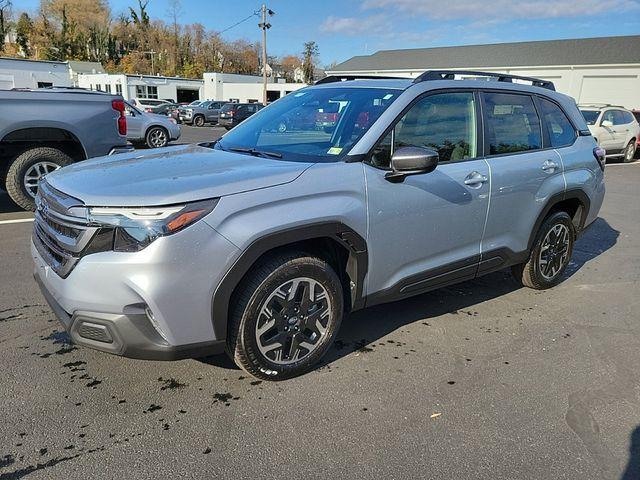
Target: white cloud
354	25
502	9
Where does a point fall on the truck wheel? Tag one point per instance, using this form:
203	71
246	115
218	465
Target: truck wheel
550	255
285	315
199	121
157	137
28	168
630	151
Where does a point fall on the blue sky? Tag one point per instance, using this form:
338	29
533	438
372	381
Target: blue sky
344	28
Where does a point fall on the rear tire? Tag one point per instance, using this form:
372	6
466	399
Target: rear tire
28	168
550	255
157	137
630	152
284	316
199	121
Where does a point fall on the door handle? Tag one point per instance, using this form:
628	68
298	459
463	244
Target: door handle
475	179
549	166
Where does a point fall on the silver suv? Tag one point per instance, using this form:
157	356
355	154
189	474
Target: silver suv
260	243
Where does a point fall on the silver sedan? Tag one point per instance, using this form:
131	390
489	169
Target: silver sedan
153	130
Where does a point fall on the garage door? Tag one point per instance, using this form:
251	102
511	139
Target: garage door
614	89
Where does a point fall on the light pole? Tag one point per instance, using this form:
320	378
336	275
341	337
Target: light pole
265	26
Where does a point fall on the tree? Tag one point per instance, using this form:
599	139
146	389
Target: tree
5	6
175	10
309	54
290	63
24	27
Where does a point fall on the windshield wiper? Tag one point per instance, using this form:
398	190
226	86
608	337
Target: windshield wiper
254	152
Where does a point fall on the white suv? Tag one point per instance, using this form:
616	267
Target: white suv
614	128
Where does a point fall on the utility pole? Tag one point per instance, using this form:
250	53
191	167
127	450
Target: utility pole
264	26
151	53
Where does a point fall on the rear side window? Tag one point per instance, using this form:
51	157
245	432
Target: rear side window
561	132
628	117
512	124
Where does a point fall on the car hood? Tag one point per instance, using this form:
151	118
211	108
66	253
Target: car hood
174	175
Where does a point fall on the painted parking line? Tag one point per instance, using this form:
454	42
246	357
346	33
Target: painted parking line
16	220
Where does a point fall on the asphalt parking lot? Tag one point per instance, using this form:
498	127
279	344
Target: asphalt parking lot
482	380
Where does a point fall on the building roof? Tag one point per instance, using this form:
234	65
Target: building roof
580	51
85	67
18	59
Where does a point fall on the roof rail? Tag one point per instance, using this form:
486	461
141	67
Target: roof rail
600	105
344	78
502	77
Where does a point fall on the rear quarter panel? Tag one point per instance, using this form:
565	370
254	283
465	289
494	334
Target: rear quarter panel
582	171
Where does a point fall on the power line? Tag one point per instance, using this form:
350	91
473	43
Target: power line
254	14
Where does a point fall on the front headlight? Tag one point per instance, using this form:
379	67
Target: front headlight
133	228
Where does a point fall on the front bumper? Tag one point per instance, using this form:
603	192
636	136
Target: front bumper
104	300
129	335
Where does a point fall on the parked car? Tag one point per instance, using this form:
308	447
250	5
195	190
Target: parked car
614	128
167	109
45	129
154	130
201	114
260	243
143	103
231	114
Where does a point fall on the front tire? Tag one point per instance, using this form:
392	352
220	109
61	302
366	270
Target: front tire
28	169
285	315
550	255
199	121
630	152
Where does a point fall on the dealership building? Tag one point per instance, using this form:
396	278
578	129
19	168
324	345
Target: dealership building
144	86
591	70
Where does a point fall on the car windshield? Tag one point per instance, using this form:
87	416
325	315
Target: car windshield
315	124
590	116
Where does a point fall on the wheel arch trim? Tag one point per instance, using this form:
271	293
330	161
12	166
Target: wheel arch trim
353	242
571	194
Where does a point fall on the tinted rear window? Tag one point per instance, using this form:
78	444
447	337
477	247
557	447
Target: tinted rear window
512	123
561	132
227	107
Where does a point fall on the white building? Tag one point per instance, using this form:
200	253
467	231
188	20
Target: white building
144	86
244	88
591	70
25	73
22	73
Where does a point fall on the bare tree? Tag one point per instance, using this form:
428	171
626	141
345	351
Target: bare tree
5	6
174	13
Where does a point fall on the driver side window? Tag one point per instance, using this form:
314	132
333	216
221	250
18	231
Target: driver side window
444	122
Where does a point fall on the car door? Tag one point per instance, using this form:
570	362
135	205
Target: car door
134	122
523	174
426	230
621	128
606	134
213	110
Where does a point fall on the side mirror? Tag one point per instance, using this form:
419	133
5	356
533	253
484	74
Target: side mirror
607	123
412	161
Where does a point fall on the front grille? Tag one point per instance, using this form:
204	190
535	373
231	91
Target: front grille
59	236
